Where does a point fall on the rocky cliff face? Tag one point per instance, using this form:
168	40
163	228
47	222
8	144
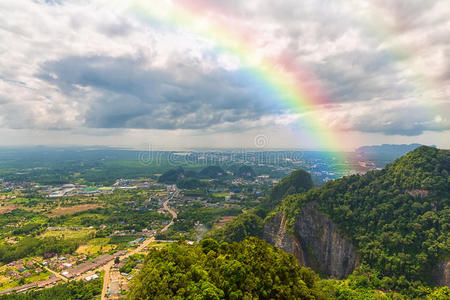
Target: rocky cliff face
441	274
315	241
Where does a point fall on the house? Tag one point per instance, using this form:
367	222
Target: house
89	278
26	274
53	280
20	268
119	265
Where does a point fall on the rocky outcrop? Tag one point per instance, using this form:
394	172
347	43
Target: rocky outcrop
441	274
418	193
314	240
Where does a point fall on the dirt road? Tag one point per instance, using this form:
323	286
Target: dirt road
51	271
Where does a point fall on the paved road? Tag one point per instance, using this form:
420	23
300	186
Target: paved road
171	211
107	267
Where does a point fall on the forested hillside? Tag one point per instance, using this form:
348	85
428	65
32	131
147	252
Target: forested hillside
245	225
251	223
298	181
398	218
251	269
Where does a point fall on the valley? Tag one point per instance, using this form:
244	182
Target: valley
100	236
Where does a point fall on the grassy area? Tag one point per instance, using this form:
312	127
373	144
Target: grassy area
3	280
78	220
88	249
38	277
6	208
70	210
70	234
99	241
6	282
95	249
220	195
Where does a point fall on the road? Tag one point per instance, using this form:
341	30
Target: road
56	274
171	211
107	267
51	271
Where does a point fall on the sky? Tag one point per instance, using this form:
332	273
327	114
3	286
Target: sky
79	72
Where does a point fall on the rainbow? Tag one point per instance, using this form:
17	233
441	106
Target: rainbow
298	90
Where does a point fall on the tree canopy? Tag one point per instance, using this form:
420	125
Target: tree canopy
398	217
251	269
298	181
211	172
245	225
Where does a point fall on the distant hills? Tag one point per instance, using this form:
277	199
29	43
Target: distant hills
178	175
398	149
386	153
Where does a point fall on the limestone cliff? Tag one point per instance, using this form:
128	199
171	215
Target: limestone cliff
441	274
315	240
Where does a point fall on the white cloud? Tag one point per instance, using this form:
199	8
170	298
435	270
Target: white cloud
384	66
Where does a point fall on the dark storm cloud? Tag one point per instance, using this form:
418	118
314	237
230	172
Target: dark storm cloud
178	96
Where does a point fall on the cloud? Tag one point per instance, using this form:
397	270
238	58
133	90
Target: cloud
93	65
179	96
400	122
405	117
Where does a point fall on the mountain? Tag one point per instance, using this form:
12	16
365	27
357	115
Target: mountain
171	176
298	181
211	172
386	153
251	223
395	222
245	172
381	235
397	149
